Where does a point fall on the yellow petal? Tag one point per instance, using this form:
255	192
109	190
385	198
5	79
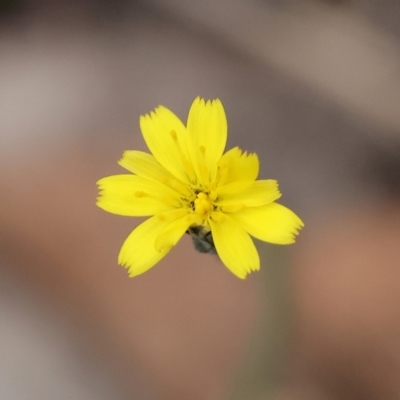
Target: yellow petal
271	223
259	193
138	253
234	245
207	130
146	165
169	236
143	164
236	165
135	196
165	136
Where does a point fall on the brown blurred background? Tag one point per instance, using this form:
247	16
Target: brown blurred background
313	87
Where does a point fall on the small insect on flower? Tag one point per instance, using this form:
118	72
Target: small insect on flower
188	184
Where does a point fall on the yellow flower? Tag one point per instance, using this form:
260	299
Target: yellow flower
189	185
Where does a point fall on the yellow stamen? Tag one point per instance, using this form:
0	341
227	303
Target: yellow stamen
202	205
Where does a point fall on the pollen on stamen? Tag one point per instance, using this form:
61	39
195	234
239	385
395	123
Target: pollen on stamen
202	196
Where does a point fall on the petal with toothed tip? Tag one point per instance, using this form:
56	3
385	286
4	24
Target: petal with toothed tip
273	223
207	131
165	136
236	165
234	245
138	253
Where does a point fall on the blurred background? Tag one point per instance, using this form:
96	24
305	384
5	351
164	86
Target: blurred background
313	87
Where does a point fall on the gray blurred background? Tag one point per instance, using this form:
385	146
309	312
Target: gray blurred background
313	87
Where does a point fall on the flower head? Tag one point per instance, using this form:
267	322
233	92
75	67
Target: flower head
189	185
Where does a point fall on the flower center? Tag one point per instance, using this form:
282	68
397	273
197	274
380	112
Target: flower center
204	203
